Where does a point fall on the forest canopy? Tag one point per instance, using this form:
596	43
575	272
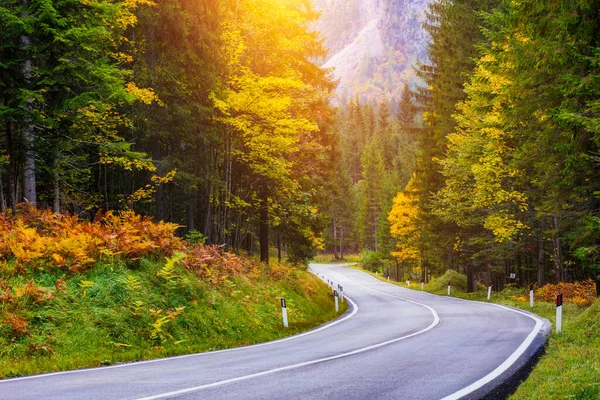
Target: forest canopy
215	115
206	113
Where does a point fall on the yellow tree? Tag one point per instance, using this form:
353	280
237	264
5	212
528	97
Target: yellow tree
403	219
266	103
481	182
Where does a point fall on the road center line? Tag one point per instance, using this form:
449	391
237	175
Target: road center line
299	365
502	367
136	363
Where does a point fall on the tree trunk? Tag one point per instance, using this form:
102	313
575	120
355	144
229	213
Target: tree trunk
12	170
341	242
106	198
335	252
191	218
278	246
558	272
208	217
29	183
229	190
541	273
56	182
470	280
2	201
159	194
263	231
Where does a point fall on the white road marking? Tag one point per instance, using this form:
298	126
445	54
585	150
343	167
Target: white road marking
132	364
506	364
436	321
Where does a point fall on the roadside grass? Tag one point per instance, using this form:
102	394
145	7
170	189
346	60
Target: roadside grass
330	259
570	368
124	312
77	293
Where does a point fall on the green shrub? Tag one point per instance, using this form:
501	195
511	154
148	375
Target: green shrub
195	237
371	260
458	281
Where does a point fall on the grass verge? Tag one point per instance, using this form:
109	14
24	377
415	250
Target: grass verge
570	369
120	313
330	259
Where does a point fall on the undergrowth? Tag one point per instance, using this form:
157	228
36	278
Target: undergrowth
79	294
328	258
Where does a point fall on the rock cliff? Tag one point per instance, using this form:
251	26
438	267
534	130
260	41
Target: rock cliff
373	44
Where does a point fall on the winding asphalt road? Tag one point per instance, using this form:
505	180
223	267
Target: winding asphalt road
393	343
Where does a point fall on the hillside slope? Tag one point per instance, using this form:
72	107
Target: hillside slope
373	44
77	294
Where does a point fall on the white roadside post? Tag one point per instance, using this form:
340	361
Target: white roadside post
559	301
388	278
376	273
284	312
342	292
335	296
422	285
531	295
408	282
490	290
448	288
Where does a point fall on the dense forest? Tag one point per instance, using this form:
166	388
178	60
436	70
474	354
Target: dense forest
507	180
210	114
216	116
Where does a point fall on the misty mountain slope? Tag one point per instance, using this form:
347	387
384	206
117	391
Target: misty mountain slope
373	44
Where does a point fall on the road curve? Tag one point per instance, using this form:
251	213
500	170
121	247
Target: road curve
393	343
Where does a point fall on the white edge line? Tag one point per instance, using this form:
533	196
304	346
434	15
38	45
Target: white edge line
507	363
436	320
502	367
207	353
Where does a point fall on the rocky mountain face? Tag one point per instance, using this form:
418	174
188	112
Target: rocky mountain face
373	45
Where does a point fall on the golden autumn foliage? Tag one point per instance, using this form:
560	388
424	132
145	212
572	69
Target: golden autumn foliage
403	225
580	293
35	239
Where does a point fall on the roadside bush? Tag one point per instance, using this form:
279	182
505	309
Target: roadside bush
371	260
580	293
457	280
33	240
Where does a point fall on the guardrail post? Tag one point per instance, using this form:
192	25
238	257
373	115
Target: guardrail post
559	301
335	297
284	312
531	295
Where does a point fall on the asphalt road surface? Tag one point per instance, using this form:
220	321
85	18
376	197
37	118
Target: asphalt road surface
393	343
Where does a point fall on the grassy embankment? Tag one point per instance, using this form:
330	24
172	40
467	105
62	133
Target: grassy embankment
570	369
329	259
76	295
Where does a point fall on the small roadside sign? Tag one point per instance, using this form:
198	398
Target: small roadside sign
559	302
284	313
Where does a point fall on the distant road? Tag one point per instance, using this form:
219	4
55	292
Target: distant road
393	343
